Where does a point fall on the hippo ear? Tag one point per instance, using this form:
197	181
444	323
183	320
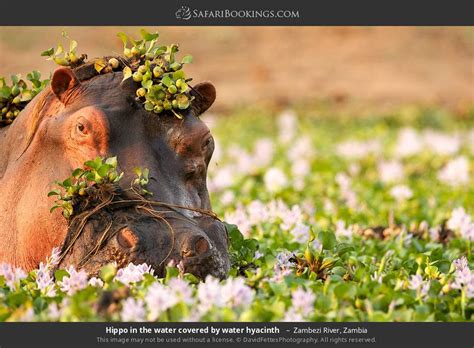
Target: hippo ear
205	94
63	82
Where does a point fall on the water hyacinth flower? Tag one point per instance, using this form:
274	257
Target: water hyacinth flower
236	294
133	273
456	172
275	180
287	126
460	221
417	283
76	281
291	217
133	310
12	275
390	171
158	299
209	294
355	149
96	282
292	316
44	281
283	266
408	143
463	277
303	301
181	289
347	194
301	233
401	193
441	143
342	230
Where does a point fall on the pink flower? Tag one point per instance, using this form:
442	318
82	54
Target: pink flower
133	310
303	301
158	299
12	275
133	273
76	281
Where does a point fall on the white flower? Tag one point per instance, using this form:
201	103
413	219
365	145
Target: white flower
133	273
282	266
223	179
417	283
236	294
456	172
441	144
133	310
300	233
287	126
401	193
12	275
342	230
463	277
76	281
293	316
96	282
390	171
158	299
263	152
408	143
181	290
209	293
303	301
358	149
460	221
44	281
275	180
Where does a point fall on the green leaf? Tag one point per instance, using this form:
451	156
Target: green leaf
148	36
48	53
147	84
124	39
5	92
187	59
60	274
167	80
327	239
103	170
55	192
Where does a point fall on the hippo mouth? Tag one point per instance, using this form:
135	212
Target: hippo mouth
130	229
211	263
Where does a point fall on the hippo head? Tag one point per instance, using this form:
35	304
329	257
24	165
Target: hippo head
134	229
85	115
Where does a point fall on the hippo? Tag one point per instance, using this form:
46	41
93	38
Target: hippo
81	115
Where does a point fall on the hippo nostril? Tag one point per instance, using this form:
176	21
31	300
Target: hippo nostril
195	247
127	238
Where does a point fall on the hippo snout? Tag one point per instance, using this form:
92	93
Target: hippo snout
198	246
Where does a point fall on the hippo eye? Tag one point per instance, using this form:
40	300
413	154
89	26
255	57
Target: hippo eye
207	142
81	128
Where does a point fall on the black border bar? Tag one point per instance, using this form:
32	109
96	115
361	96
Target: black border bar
317	334
239	12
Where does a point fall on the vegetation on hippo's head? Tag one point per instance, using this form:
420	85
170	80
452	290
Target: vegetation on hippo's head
15	96
163	85
82	180
65	58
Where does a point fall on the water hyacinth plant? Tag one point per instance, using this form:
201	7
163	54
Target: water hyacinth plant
319	231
